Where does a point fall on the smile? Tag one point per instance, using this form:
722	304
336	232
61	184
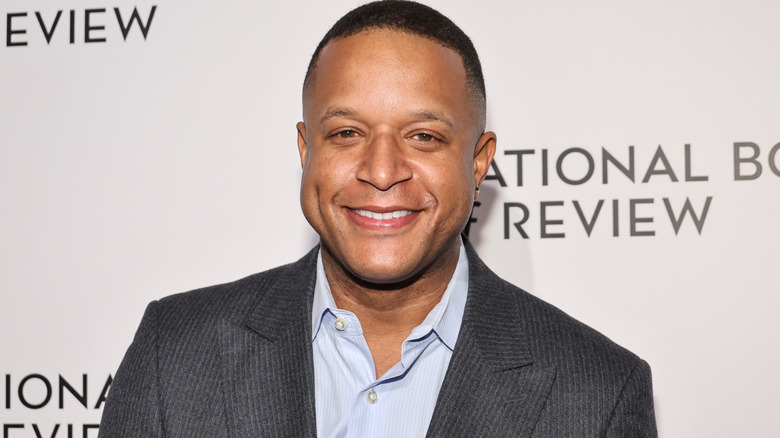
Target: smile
383	216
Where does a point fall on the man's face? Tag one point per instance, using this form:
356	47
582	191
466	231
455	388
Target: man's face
391	154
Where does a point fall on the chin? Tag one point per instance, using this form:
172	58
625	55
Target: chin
384	272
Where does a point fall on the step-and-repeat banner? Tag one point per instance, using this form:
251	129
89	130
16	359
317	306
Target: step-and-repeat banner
148	148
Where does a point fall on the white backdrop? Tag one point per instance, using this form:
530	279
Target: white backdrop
134	168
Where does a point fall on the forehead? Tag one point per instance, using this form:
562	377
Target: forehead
380	65
387	41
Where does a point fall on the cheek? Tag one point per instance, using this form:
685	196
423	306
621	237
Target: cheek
309	189
308	198
325	172
456	182
453	175
324	176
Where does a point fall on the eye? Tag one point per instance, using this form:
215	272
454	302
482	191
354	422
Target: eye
347	133
345	137
424	137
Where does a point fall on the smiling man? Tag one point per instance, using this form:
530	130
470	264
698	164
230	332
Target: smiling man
392	326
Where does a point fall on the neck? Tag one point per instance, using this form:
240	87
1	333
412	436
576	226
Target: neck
389	312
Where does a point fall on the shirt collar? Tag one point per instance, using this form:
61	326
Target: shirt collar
323	298
444	319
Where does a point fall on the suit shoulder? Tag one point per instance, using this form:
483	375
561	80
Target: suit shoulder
223	302
559	331
606	384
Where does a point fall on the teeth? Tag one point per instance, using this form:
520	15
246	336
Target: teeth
383	216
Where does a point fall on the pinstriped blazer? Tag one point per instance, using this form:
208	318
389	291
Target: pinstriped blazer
235	360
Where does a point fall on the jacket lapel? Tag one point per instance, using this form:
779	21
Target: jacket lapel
493	387
268	377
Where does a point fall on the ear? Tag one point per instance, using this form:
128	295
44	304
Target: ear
302	145
483	156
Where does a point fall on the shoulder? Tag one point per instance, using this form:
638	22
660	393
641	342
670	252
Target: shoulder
582	356
176	361
549	333
598	385
554	335
200	310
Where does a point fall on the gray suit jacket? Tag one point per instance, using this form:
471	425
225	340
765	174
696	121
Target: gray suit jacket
235	360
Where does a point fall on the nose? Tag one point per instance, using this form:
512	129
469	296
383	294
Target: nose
383	163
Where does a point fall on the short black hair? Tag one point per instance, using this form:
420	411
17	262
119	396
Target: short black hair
413	18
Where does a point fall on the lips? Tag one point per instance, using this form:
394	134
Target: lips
383	215
382	218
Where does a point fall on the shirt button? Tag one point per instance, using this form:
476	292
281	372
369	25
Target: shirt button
372	396
340	323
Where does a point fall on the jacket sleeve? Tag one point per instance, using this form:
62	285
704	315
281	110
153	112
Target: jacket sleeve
133	404
634	415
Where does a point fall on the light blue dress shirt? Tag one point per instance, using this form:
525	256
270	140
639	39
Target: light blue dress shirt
350	400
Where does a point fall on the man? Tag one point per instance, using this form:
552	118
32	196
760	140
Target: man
392	327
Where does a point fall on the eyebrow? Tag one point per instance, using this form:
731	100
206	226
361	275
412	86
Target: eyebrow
338	111
343	111
433	116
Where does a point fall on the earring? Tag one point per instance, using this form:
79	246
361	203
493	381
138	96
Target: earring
477	190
